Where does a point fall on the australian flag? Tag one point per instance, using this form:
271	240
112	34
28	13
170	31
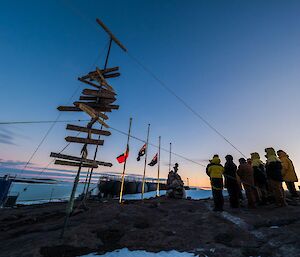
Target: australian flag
142	152
153	161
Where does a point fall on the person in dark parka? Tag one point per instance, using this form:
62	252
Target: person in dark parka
231	181
260	178
274	176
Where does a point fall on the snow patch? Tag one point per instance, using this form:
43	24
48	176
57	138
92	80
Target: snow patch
195	194
127	253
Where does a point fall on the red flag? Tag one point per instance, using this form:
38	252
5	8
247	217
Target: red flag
122	158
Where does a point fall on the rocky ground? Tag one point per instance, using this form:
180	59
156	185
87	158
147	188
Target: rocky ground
153	225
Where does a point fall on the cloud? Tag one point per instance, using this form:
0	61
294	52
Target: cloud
9	137
14	163
6	138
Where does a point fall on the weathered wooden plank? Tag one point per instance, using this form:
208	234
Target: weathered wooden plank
106	164
72	158
90	110
79	159
102	102
111	75
103	93
88	98
89	83
93	99
93	113
109	87
69	109
82	140
75	164
111	35
87	130
112	106
107	108
94	73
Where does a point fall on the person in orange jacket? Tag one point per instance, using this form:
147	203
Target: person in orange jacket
245	172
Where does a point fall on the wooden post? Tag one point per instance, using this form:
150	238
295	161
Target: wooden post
89	176
72	198
124	166
145	163
170	157
158	166
91	171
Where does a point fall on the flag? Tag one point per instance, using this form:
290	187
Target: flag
122	158
142	152
153	161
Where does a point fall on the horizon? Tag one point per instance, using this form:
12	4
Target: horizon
235	63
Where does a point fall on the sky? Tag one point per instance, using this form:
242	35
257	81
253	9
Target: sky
236	63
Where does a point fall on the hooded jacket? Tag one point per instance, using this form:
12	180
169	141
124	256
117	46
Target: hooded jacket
245	172
288	170
273	165
259	172
230	173
215	169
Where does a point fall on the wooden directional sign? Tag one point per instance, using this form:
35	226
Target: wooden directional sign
111	75
76	164
78	159
87	130
89	83
84	140
92	74
68	109
94	114
102	80
102	94
88	98
97	103
89	109
95	99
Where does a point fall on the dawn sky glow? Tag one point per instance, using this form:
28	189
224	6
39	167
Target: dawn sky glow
235	62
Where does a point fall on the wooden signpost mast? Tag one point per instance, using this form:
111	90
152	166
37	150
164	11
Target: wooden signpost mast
96	103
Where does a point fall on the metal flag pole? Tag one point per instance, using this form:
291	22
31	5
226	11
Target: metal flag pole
124	167
170	153
158	166
145	164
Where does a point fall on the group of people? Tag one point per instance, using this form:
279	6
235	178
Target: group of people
262	182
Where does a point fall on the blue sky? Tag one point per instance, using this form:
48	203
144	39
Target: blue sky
235	62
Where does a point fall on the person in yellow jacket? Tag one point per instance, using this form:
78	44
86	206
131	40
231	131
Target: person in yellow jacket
215	171
288	172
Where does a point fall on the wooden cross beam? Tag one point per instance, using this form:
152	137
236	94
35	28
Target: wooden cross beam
78	159
87	130
111	35
84	140
75	164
